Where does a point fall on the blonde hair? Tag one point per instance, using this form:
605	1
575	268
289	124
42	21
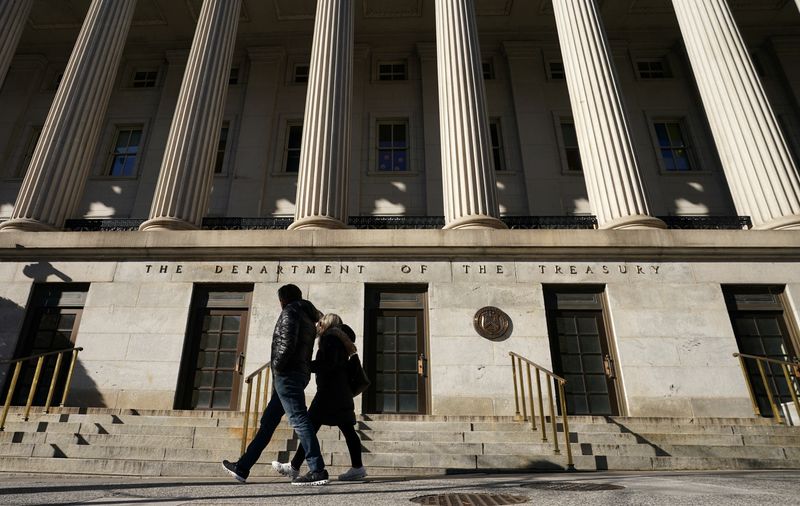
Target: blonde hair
328	321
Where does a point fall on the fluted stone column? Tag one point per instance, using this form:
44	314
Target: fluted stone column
187	172
325	148
761	174
610	167
13	16
470	193
55	179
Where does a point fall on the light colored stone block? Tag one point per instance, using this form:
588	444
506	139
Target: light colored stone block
104	346
134	320
672	322
113	294
398	272
130	375
155	347
601	272
175	294
665	295
66	272
477	295
455	406
483	272
729	272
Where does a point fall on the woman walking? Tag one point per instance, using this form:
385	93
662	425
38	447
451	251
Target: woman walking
333	402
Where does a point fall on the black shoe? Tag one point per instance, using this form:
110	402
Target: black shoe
231	468
312	478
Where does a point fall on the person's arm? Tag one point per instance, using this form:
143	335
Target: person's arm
287	330
330	356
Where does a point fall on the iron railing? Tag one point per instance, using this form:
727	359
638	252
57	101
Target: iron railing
791	373
418	223
40	358
707	222
261	376
520	398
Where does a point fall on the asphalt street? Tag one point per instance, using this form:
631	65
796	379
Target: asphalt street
654	488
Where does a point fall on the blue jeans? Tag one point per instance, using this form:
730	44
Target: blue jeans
287	397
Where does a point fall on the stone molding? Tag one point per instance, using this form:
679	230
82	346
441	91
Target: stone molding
541	245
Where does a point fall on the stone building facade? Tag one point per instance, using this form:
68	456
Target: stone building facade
429	158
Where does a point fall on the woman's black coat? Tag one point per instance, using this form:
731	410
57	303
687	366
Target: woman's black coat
333	403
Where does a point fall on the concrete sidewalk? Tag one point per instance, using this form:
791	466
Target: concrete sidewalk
656	488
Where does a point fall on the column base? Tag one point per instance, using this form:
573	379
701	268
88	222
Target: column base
317	223
25	225
164	223
475	221
634	222
791	222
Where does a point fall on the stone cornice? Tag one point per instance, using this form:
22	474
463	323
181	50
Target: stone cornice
654	245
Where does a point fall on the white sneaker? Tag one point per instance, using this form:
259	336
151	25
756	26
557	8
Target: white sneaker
285	469
353	474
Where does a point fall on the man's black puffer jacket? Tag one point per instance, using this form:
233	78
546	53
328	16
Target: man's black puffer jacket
293	338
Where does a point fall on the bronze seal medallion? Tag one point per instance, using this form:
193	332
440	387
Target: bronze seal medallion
492	323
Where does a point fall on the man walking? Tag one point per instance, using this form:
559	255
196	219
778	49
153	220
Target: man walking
292	346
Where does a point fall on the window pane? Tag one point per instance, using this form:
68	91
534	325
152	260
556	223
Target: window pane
389	342
408	403
399	136
569	134
389	402
399	161
662	135
676	134
384	160
669	163
133	140
407	382
407	362
203	399
222	398
128	168
408	343
230	323
682	160
295	137
386	382
227	360
224	380
229	341
293	161
385	135
212	323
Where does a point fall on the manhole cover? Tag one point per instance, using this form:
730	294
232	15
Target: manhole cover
572	486
470	499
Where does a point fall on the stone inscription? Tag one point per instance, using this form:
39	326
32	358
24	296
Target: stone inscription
416	270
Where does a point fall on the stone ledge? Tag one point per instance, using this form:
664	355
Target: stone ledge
665	245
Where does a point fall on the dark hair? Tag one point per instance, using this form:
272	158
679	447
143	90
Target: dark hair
289	293
349	332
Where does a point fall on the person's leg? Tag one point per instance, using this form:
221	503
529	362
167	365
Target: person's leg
269	422
353	444
300	454
290	390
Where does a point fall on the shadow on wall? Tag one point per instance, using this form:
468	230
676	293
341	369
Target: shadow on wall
40	272
394	200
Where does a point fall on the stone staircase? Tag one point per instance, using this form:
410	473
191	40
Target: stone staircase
192	444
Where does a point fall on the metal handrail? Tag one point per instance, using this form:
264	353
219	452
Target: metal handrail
260	377
519	399
36	375
790	370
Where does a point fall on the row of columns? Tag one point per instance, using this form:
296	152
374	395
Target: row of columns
762	176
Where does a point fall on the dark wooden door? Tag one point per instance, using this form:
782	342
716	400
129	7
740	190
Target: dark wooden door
582	357
764	333
217	356
399	365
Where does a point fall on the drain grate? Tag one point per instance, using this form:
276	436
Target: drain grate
572	486
470	499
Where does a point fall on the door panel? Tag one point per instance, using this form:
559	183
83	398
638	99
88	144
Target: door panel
764	333
399	344
216	379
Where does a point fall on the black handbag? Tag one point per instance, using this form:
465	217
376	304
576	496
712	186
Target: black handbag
356	376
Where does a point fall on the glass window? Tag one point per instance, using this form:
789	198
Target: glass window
392	71
572	153
222	145
497	145
673	145
145	78
488	70
653	69
233	78
556	70
392	146
125	152
30	147
301	73
294	138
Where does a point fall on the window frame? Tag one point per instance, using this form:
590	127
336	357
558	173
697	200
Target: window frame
690	144
393	63
294	74
153	82
559	120
375	147
116	129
